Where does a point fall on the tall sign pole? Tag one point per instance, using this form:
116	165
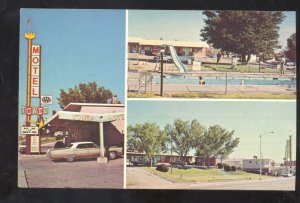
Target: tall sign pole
29	36
33	90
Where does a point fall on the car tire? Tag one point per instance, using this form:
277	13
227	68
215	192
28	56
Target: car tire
112	155
70	159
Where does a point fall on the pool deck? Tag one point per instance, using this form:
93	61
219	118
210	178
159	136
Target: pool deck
134	86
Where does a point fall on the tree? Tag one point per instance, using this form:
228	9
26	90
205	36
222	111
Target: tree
242	32
84	93
216	142
291	48
183	136
146	138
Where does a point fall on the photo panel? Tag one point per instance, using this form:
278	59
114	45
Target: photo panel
71	98
227	54
211	145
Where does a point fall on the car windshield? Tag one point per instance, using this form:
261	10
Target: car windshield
70	145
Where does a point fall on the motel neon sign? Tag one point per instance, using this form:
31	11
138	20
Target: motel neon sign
35	70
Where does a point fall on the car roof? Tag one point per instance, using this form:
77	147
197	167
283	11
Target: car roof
82	142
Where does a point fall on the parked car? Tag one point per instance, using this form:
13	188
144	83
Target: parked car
22	146
143	162
81	150
22	149
286	174
290	63
178	163
166	58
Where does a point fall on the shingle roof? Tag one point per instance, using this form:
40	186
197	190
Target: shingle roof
151	42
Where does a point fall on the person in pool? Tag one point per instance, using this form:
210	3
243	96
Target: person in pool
201	80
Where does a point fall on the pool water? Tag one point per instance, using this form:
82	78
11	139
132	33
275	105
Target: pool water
171	79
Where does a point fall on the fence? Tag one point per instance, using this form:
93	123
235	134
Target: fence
219	83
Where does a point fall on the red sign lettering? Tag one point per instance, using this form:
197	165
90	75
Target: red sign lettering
35	70
28	110
40	110
35	49
35	60
35	92
35	81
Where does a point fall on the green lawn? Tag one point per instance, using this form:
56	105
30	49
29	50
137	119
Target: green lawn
147	95
204	175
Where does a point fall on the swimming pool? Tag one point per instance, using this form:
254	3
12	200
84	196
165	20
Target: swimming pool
174	79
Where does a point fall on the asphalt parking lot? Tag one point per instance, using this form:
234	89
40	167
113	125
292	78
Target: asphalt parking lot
38	171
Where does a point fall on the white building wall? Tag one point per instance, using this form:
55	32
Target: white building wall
255	163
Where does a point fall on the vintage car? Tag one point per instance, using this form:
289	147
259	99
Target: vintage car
178	163
287	174
143	162
22	149
82	150
22	146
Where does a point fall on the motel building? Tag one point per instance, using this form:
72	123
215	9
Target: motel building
238	163
150	47
212	161
102	124
167	159
253	165
160	158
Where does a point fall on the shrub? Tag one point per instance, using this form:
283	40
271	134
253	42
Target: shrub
59	144
162	168
226	168
233	168
220	165
59	137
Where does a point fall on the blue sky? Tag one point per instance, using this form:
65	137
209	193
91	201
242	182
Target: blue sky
185	25
247	118
78	46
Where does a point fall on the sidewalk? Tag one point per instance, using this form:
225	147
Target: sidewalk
22	182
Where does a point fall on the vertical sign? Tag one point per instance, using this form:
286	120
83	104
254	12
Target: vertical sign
35	70
34	144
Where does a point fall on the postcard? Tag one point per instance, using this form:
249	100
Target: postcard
157	99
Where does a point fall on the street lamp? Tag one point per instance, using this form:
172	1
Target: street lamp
260	164
162	50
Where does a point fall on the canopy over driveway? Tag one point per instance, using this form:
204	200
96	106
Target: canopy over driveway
100	123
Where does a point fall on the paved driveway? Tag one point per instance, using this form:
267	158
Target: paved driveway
41	172
139	178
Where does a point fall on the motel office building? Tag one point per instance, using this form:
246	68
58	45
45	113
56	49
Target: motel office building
82	122
151	47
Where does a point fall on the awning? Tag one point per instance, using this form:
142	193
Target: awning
62	118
